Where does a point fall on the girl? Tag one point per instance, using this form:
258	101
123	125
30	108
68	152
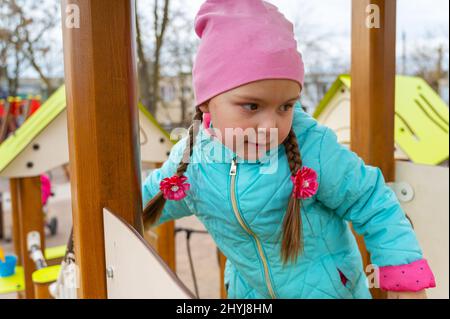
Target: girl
277	201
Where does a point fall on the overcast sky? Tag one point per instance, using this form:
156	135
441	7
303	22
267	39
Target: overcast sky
415	16
418	18
423	21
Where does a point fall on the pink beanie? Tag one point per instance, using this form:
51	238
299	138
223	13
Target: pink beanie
242	41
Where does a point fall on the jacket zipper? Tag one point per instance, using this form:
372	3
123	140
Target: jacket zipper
233	172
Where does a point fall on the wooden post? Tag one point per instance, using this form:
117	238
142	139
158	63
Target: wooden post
166	243
373	89
101	76
28	215
16	228
13	186
222	261
41	291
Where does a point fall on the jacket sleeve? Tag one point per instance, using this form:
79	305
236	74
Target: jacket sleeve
358	193
172	209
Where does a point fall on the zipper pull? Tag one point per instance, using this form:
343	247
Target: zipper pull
233	167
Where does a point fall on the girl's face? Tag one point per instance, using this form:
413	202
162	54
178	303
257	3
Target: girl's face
255	117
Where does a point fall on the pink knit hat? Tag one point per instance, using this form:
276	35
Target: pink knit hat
242	41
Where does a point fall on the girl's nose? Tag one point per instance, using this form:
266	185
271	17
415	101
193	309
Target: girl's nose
265	125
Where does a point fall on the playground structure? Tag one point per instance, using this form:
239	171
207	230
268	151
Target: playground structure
421	119
421	143
40	145
103	134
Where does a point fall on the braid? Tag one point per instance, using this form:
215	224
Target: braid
193	129
293	152
154	208
292	243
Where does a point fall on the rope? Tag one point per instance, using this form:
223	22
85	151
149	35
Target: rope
189	232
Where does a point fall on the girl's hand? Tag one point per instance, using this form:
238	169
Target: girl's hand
407	295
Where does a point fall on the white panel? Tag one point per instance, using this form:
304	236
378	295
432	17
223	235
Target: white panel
429	212
52	151
53	148
135	269
155	146
337	116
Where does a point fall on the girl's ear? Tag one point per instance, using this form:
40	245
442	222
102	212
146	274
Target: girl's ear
204	107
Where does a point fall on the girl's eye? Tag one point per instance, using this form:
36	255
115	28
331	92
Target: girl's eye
250	107
286	107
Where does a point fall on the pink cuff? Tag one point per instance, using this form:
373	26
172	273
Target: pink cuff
415	276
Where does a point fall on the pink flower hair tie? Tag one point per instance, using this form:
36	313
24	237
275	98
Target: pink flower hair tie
305	183
174	188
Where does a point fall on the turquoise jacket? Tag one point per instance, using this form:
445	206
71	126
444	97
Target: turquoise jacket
243	212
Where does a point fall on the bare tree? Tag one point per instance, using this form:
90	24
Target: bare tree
160	25
150	68
24	27
144	66
428	59
181	47
314	43
11	56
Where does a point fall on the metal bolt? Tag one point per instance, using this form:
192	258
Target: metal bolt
110	272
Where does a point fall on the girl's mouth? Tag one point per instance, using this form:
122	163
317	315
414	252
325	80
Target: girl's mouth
257	145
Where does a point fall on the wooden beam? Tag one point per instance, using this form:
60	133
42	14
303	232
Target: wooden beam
13	188
222	261
16	226
166	243
41	291
373	89
28	215
101	76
